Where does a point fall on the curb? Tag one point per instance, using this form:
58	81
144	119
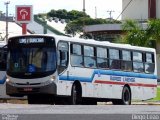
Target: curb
146	103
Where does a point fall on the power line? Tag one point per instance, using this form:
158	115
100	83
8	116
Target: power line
124	8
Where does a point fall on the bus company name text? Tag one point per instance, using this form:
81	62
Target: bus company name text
33	40
122	79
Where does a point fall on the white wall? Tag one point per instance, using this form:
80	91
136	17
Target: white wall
138	9
158	8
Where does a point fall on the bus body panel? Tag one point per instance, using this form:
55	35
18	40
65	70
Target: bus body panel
102	85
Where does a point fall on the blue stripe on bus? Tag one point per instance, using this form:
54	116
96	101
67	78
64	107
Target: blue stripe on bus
2	81
108	72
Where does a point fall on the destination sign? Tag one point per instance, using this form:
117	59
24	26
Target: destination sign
31	40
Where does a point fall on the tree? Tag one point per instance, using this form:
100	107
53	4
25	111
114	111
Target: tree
135	34
76	26
64	14
153	31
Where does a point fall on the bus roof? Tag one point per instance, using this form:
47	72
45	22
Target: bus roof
94	42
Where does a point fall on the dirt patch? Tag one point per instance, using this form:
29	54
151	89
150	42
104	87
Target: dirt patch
14	101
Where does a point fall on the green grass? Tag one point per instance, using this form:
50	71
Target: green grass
157	98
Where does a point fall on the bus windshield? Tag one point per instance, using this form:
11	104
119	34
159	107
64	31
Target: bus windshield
34	60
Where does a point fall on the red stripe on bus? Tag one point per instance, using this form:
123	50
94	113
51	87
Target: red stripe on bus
123	83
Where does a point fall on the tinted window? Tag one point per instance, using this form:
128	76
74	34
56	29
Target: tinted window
137	56
126	63
113	54
89	57
88	51
76	55
138	64
138	67
115	62
149	65
149	58
101	52
102	61
76	49
126	55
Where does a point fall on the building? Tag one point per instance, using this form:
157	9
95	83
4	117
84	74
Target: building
104	32
140	9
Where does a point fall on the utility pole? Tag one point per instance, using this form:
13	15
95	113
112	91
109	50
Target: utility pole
84	11
6	3
110	14
95	12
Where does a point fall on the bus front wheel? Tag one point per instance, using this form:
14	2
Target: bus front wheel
76	96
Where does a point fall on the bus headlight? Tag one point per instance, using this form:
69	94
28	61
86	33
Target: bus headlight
7	80
53	78
10	82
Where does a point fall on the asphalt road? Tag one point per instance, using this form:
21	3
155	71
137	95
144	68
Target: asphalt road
85	112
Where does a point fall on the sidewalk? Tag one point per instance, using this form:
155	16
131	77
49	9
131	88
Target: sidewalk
146	103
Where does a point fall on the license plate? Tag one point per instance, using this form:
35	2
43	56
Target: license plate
27	89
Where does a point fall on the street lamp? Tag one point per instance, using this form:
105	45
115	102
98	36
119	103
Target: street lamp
6	3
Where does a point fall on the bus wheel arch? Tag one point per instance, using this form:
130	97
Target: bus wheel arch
76	93
126	96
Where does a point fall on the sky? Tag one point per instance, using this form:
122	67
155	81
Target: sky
43	6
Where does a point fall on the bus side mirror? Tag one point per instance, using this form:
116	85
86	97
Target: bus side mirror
62	55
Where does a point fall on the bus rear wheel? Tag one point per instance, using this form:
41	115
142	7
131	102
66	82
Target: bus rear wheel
126	97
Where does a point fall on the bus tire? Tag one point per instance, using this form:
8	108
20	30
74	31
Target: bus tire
126	97
76	96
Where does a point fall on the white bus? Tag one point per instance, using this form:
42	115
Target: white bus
3	66
3	57
57	70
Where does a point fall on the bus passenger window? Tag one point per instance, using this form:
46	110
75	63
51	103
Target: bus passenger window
76	55
138	62
149	63
115	62
76	60
89	62
126	63
89	57
102	61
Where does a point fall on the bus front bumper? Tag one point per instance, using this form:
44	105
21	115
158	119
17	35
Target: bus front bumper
19	90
